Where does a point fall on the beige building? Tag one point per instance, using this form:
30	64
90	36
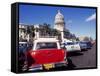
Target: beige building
22	33
84	38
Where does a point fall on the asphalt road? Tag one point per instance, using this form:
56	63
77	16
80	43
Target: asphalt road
84	59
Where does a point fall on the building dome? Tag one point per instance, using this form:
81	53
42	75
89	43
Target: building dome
59	18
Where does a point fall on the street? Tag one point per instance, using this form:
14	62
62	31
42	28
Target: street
85	59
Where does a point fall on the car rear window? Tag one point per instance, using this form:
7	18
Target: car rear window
46	45
76	42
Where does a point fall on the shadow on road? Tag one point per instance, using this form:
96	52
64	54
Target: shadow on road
70	54
70	66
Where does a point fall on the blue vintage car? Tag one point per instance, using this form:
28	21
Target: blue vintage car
89	44
83	45
23	48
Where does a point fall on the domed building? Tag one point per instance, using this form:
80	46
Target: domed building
59	22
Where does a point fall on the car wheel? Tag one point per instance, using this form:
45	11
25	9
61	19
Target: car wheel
21	61
29	61
70	64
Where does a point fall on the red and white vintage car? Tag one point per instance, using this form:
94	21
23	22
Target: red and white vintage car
45	54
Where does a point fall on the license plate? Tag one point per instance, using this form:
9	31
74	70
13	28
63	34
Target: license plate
72	46
48	66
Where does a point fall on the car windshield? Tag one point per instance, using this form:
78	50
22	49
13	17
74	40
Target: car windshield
22	45
76	42
46	45
82	42
89	43
70	43
22	48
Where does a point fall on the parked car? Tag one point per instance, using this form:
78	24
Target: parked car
83	45
45	54
23	48
89	44
71	46
21	54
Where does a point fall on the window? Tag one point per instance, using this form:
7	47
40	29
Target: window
46	45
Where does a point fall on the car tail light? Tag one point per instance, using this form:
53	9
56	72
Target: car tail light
64	52
33	53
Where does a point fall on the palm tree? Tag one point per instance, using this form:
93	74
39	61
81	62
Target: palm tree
67	33
55	32
44	29
32	29
30	32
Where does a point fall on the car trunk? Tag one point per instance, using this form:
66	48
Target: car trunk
45	56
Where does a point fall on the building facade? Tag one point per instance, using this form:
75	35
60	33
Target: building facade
22	32
85	38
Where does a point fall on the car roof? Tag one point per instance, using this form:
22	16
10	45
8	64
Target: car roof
46	40
22	42
66	40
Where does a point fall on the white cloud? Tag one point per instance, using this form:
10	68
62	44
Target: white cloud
92	17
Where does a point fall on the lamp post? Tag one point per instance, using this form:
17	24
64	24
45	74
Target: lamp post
36	31
62	36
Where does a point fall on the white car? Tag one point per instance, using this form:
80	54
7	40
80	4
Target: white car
71	46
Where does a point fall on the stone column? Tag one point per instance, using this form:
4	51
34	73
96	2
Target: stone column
62	36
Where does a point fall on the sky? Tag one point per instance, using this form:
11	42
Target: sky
79	21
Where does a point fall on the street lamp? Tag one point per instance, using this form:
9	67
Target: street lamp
36	31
